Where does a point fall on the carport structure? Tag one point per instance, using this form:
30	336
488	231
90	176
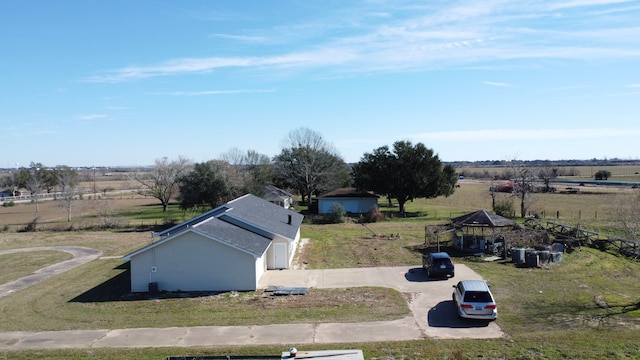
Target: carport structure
473	225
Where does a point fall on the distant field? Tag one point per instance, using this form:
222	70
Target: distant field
618	173
592	206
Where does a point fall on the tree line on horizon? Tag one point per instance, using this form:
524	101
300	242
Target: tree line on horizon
307	165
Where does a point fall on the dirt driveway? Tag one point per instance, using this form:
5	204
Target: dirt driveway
434	314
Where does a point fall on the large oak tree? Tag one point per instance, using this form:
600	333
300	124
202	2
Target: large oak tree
209	184
404	173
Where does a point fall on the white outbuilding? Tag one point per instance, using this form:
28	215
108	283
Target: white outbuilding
227	248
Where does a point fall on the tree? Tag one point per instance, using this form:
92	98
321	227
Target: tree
523	177
68	180
627	209
602	175
206	185
405	173
309	164
34	179
162	182
259	172
547	173
253	170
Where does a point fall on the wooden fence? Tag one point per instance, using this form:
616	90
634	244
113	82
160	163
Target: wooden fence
575	236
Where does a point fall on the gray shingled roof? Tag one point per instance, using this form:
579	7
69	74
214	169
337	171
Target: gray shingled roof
248	223
265	215
234	235
273	193
482	218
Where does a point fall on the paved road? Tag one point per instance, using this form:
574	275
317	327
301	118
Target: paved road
433	316
81	255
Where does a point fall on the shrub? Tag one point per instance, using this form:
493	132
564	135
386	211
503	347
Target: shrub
372	215
504	207
335	215
602	175
31	226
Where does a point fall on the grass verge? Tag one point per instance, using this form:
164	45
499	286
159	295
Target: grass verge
95	296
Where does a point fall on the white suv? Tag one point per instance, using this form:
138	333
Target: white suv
474	300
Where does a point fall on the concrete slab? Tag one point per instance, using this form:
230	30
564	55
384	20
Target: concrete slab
49	339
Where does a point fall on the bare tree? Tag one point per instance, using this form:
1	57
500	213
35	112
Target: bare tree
309	164
259	172
33	179
627	210
162	182
235	157
523	177
253	170
68	180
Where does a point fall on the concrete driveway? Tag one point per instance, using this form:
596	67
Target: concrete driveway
433	316
433	311
81	255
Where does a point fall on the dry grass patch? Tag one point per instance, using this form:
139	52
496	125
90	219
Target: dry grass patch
16	265
111	243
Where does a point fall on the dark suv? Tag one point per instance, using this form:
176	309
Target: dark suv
438	264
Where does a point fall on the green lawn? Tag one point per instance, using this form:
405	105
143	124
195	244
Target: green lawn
585	307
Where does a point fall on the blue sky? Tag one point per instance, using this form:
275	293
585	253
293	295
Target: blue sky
119	83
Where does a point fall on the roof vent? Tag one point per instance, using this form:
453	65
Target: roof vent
289	219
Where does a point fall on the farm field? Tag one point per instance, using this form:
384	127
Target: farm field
629	173
549	313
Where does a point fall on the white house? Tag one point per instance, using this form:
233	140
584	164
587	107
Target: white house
278	196
227	248
351	200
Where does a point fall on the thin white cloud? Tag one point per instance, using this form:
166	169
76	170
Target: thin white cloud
241	38
203	65
583	3
211	92
434	37
497	84
633	86
89	117
523	134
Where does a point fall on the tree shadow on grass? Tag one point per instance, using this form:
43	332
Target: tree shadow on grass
118	288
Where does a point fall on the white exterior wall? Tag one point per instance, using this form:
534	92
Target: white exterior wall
289	249
350	205
284	250
192	262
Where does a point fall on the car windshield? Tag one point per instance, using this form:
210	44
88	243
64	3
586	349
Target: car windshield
477	296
